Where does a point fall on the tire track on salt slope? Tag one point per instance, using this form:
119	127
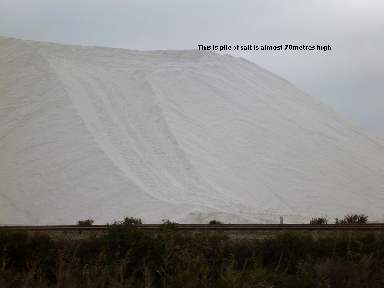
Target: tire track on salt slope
94	113
152	141
110	124
119	149
193	127
219	149
156	143
129	113
175	165
204	137
174	168
107	123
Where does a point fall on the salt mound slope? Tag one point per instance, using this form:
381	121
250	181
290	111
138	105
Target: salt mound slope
191	136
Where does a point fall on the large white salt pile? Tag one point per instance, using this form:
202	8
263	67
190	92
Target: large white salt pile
190	136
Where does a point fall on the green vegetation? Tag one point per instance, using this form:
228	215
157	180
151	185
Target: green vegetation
352	218
168	226
215	222
319	221
348	219
129	221
85	223
128	256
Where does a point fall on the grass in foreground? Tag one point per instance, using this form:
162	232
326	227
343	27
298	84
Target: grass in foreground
130	257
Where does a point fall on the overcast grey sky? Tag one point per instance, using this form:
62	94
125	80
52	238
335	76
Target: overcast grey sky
349	77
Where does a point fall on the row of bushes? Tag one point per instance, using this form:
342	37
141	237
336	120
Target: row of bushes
348	219
126	222
127	256
130	221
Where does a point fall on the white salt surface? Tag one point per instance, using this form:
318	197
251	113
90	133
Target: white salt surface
190	136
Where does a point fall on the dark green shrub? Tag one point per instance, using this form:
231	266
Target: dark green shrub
340	221
85	223
362	218
215	222
352	218
18	250
122	237
14	249
168	226
319	221
130	221
285	251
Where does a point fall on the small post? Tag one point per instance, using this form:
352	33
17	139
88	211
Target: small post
281	219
